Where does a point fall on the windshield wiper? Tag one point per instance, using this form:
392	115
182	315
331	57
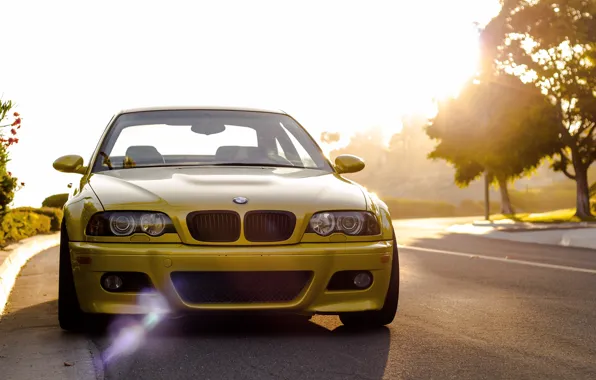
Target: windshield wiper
213	164
106	160
254	164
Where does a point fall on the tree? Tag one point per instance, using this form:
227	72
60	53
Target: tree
56	200
552	44
497	125
330	137
8	184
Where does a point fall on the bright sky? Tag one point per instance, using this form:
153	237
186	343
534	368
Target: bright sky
334	65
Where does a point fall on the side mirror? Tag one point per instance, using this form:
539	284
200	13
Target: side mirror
347	163
70	164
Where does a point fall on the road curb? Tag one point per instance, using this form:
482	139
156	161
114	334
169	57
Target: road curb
15	256
582	237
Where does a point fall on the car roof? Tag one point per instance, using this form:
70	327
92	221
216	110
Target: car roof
176	108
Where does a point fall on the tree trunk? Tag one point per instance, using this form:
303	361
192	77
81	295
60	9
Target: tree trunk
583	191
506	208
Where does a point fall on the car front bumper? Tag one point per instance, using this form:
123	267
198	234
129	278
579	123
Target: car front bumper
158	261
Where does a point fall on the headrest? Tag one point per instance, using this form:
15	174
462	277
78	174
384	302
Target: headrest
144	154
227	153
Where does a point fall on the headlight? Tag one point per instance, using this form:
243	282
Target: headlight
353	223
125	223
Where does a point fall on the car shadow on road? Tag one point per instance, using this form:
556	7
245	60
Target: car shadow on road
258	347
255	346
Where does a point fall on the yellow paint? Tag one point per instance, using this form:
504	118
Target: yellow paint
153	259
177	191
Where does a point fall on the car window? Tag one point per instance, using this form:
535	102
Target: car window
180	140
207	137
305	157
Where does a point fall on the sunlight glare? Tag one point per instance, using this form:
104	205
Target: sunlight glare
352	67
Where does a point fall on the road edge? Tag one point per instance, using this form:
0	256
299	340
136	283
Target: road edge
569	238
18	255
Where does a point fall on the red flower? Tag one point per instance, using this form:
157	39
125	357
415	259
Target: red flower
22	183
16	140
13	131
16	114
16	121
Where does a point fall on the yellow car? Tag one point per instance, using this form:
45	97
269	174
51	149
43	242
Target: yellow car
203	209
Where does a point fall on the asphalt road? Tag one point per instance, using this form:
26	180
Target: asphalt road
466	312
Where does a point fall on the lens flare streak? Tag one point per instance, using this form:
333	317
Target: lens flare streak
131	333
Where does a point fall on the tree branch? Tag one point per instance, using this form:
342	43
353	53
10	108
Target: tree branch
591	132
566	172
564	158
582	127
564	164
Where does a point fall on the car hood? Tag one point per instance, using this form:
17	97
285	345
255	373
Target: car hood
301	191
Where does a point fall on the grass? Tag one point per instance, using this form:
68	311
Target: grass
556	216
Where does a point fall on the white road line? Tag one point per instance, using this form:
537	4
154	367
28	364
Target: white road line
501	259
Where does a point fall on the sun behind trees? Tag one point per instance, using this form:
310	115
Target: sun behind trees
499	126
551	45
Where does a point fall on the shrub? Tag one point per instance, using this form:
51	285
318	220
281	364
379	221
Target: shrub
55	215
56	201
410	208
18	225
8	184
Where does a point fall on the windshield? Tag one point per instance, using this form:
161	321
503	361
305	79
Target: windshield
207	137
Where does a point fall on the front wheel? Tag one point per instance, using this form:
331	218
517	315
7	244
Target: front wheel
378	318
70	316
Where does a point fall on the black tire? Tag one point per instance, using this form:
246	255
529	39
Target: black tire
70	316
379	318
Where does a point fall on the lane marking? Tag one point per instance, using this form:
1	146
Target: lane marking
501	259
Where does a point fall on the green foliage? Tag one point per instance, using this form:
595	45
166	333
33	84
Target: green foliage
555	42
501	126
56	200
409	208
8	184
18	225
55	214
556	197
413	208
556	216
543	200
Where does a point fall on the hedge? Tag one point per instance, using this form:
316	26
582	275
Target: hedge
410	208
55	215
16	225
55	201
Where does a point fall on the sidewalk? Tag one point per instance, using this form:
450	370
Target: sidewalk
580	235
15	256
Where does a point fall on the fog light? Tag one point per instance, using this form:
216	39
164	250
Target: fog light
112	282
363	280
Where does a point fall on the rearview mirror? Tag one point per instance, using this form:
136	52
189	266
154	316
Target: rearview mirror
347	163
208	128
70	164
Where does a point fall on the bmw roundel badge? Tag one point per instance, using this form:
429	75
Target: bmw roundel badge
240	200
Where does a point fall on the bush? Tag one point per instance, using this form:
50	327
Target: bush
410	208
543	200
55	215
55	201
18	225
9	124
